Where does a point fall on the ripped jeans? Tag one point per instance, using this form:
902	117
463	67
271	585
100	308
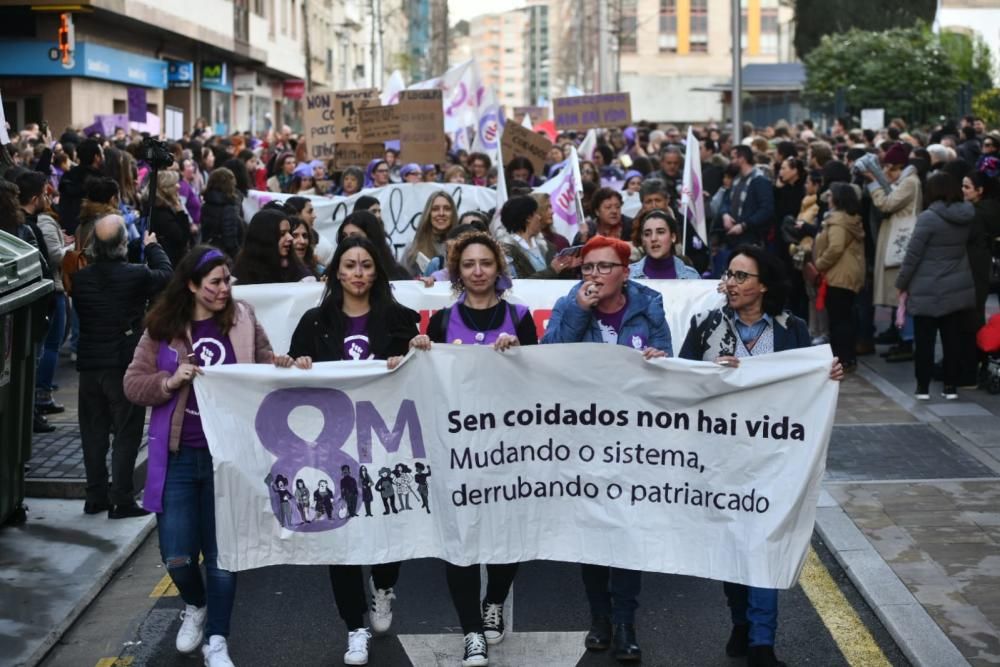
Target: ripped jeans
186	528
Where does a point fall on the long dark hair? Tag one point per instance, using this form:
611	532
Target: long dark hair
239	169
380	299
375	232
310	259
771	274
172	311
259	261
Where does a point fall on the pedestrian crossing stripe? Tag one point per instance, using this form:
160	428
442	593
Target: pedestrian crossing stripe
164	589
115	662
855	642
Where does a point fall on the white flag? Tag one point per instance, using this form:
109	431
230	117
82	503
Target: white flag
461	91
692	197
588	145
392	88
4	137
489	126
526	122
564	191
496	227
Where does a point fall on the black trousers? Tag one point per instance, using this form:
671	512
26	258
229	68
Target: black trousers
464	584
843	327
105	412
351	593
925	331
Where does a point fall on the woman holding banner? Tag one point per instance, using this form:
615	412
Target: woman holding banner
607	307
480	316
439	216
196	305
753	322
358	319
655	232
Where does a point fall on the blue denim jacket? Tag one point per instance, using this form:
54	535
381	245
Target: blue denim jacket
644	315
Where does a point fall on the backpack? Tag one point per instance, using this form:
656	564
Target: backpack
72	261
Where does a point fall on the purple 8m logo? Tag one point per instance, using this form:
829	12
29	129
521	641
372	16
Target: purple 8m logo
293	453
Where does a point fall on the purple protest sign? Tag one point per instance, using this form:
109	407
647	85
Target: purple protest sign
137	105
563	198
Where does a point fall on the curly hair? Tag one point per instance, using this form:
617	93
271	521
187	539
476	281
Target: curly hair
459	246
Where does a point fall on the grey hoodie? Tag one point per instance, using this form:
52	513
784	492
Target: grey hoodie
936	270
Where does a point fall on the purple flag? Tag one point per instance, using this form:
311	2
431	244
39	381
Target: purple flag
137	105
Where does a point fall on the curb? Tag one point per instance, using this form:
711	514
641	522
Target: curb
60	628
918	636
76	489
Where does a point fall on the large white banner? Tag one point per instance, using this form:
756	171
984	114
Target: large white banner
576	452
402	205
280	306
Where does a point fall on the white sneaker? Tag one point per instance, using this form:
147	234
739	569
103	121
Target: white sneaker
192	631
216	652
381	609
493	623
357	647
475	651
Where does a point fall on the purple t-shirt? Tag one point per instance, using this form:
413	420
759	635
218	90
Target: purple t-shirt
356	344
660	269
211	348
611	326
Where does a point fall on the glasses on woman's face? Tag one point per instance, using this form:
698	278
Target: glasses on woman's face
739	276
383	170
603	268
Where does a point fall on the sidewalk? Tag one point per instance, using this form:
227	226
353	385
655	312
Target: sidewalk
911	509
928	502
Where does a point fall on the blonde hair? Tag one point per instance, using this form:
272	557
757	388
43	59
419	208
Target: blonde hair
423	240
166	190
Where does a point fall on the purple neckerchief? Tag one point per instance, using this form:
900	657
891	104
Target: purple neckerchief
159	435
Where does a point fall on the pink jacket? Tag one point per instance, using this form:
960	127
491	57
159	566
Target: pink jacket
145	383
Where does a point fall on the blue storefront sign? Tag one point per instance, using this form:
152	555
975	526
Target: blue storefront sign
215	76
180	73
31	58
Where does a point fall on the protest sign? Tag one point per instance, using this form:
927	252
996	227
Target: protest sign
698	469
346	155
872	119
586	111
537	114
347	103
379	123
320	128
402	204
421	127
279	307
520	142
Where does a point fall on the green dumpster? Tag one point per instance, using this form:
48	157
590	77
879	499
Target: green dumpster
23	309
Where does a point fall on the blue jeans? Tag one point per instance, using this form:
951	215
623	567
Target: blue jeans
612	592
49	351
74	329
756	606
186	528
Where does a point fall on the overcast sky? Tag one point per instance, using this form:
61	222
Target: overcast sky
466	9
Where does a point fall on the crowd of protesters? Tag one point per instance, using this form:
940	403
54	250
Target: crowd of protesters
808	232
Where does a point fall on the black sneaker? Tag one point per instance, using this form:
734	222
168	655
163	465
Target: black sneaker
95	508
476	653
888	337
126	512
40	424
49	408
763	656
900	353
599	637
493	622
739	641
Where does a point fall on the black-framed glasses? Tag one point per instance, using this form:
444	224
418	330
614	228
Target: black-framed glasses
739	276
603	268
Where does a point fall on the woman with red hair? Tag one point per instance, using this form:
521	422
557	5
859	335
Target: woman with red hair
607	307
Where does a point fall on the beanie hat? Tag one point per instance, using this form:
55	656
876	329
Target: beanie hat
897	155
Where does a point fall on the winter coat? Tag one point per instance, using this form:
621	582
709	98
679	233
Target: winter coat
521	263
936	271
755	211
145	384
899	205
840	251
713	334
684	272
173	232
222	223
985	228
388	335
111	299
644	315
52	235
72	190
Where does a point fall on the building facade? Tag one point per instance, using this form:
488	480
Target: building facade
237	64
974	17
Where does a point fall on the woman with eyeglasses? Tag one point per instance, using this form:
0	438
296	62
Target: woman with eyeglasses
753	322
377	174
607	307
655	232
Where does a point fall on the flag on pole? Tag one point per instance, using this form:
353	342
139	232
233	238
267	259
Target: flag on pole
395	84
564	191
496	227
588	145
692	197
489	126
461	91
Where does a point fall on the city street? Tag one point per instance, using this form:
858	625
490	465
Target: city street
883	446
